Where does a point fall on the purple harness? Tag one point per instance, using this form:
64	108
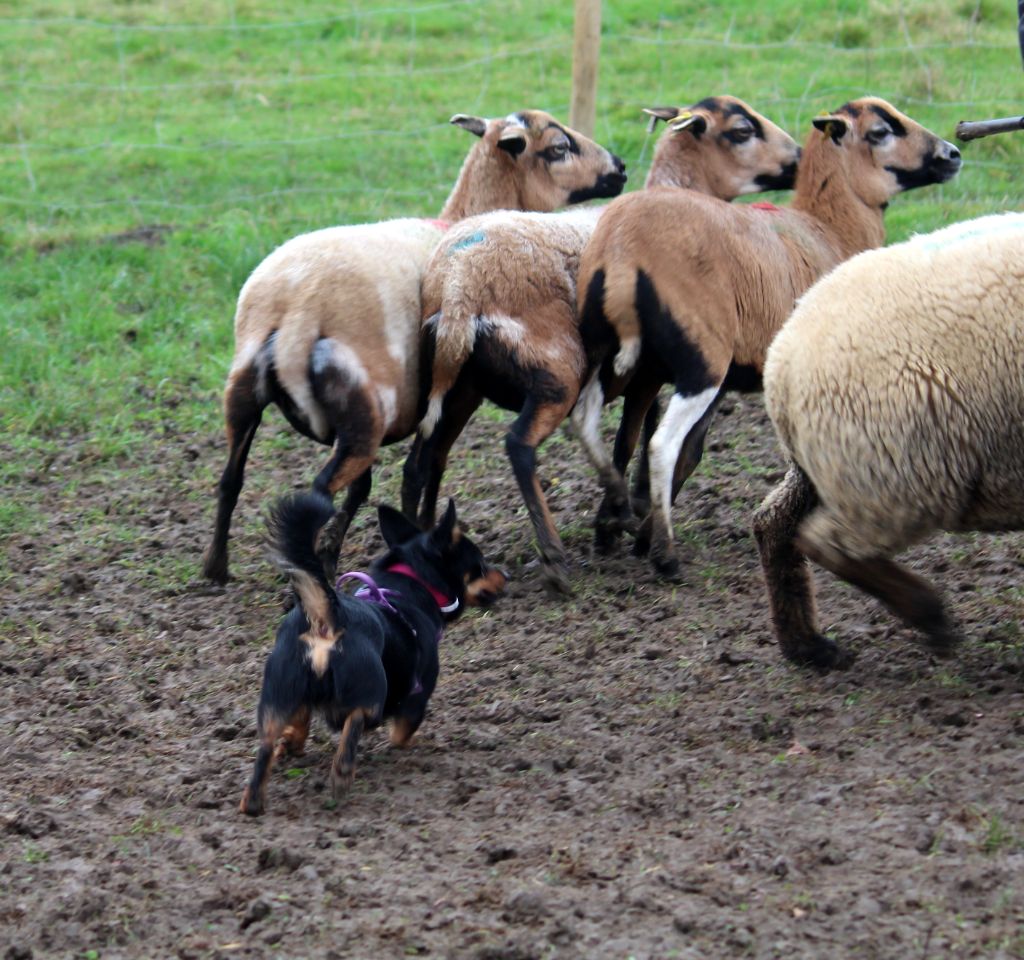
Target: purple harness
369	591
380	596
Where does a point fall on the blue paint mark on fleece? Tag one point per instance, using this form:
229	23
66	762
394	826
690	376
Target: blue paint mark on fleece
995	226
471	241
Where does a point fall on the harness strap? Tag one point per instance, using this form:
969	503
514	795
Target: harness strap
370	592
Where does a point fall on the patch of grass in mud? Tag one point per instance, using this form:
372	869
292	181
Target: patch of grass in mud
33	854
169	572
999	836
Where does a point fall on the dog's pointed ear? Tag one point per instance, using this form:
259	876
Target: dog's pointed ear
444	532
395	526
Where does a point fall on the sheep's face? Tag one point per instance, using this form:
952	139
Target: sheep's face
553	164
722	147
886	151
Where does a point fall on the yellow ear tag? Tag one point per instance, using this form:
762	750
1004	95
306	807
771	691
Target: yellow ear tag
679	121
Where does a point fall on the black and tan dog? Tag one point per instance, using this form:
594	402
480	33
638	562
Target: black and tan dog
359	659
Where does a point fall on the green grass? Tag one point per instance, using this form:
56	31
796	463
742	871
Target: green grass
237	124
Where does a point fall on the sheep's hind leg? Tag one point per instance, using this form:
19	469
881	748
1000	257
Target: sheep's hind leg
682	418
687	461
586	421
787	574
412	478
345	469
424	475
908	596
242	414
532	427
641	495
616	512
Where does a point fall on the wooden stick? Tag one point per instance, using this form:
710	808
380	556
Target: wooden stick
973	129
585	55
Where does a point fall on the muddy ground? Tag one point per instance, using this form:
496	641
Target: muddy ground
632	772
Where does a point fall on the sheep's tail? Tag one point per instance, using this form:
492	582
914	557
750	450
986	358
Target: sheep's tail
453	335
620	311
608	312
293	525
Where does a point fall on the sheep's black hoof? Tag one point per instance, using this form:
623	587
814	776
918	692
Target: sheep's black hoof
641	506
606	537
215	566
556	580
818	652
642	537
642	544
668	567
628	522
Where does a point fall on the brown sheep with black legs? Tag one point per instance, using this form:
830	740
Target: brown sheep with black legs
896	389
701	287
327	326
499	303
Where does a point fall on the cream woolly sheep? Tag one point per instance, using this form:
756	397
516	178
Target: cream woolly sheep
499	302
896	388
703	286
327	327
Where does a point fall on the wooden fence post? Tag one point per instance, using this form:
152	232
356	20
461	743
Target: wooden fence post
585	54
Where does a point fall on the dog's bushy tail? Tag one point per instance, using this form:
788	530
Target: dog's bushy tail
294	523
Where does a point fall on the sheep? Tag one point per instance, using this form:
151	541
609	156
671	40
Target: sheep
499	304
327	326
700	287
895	389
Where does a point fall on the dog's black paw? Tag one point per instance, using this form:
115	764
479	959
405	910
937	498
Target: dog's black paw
341	781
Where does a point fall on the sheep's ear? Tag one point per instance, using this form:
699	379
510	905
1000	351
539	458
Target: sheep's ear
475	125
659	113
832	126
513	139
693	122
395	527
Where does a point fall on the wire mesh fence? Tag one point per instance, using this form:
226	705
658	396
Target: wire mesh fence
190	110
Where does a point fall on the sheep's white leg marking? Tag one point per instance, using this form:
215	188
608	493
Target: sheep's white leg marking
586	418
681	417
